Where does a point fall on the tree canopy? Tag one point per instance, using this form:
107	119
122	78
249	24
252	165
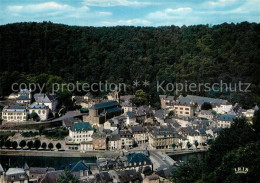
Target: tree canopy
48	53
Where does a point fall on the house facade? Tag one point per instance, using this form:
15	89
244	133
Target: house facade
14	113
40	109
81	132
99	141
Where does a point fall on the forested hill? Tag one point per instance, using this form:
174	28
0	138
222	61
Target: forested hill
37	52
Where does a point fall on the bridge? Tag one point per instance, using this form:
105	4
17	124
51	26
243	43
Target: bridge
159	158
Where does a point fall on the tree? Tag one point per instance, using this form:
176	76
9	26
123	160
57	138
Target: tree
196	143
206	106
44	145
58	146
140	98
30	144
34	116
37	144
174	145
188	144
67	177
188	172
22	144
50	145
41	129
8	144
180	144
14	144
2	143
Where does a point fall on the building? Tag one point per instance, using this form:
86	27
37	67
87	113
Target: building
126	98
139	134
126	139
86	146
24	97
132	161
46	99
14	175
14	113
162	137
223	108
138	161
168	102
40	109
113	96
114	142
99	141
224	121
183	109
85	101
206	114
37	173
81	132
198	135
103	111
128	107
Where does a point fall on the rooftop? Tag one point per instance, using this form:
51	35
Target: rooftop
105	105
81	126
22	97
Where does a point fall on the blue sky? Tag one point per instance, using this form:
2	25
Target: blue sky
130	12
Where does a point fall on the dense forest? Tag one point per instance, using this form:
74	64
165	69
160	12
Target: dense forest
47	53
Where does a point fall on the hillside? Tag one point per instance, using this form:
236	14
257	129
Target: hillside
38	52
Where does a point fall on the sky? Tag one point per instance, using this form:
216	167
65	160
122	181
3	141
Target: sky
130	12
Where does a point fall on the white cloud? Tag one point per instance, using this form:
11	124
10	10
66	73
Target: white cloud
52	10
42	7
170	13
251	6
219	3
136	22
109	3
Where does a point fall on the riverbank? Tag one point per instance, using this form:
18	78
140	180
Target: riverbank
79	154
64	154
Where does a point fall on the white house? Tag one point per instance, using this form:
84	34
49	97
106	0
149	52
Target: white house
114	142
14	113
46	99
40	109
24	97
224	121
223	109
126	139
197	135
206	114
139	133
81	132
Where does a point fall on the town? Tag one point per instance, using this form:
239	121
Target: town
129	142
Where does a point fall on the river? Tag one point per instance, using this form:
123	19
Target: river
62	162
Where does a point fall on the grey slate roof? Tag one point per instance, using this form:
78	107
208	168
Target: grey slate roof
137	129
22	97
38	106
200	100
79	166
24	91
103	177
13	108
44	98
40	170
26	167
226	117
